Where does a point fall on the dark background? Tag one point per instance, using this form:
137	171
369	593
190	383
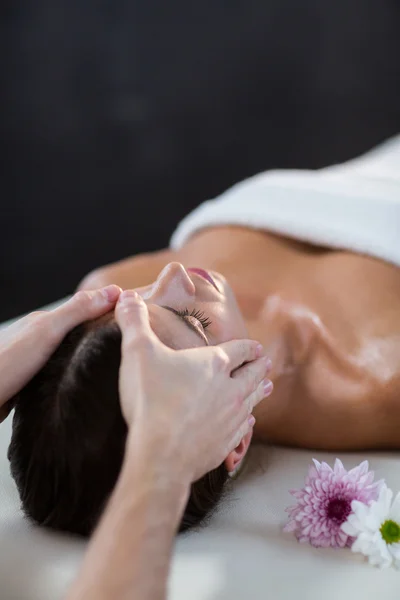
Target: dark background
117	117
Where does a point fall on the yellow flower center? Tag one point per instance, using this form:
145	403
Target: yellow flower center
390	531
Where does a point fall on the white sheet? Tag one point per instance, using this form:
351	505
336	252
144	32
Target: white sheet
353	206
241	554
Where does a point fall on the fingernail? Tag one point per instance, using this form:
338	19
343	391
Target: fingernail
268	387
259	350
128	295
268	364
111	292
251	421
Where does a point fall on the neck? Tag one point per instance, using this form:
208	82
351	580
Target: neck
279	325
271	323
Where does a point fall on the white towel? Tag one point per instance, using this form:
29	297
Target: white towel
352	206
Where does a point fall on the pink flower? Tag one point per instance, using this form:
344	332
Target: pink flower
325	502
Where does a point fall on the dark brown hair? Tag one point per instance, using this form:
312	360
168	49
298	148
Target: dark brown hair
69	435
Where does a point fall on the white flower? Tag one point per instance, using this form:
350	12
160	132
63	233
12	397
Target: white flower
377	529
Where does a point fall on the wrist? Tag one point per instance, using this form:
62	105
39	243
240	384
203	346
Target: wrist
131	548
159	472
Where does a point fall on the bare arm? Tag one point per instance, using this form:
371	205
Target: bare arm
26	345
177	433
130	553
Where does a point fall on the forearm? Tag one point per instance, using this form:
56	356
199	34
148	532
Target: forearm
10	358
129	554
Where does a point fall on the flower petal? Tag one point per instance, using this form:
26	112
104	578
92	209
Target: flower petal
363	544
291	526
349	529
322	500
394	512
396	564
385	499
394	550
313	472
359	509
338	468
372	520
379	561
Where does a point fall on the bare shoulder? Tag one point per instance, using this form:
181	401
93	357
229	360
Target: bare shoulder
355	361
360	307
131	272
340	389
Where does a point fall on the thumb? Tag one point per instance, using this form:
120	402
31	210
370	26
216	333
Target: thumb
132	317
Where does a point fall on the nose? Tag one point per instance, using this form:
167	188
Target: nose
172	285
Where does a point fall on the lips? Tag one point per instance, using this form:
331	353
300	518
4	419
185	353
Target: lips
205	275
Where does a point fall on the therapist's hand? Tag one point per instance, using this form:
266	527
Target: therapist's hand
190	407
27	344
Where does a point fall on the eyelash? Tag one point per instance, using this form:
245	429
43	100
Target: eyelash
197	314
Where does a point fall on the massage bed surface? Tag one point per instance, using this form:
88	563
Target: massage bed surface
241	553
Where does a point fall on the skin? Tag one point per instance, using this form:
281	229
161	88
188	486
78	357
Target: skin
27	344
176	290
329	321
130	552
196	429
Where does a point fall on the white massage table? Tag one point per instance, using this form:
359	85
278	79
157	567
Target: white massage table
241	554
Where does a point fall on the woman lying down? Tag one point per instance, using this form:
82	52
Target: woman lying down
306	262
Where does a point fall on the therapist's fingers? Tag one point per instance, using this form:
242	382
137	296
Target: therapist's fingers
246	426
132	317
50	326
241	351
29	343
249	376
83	306
263	390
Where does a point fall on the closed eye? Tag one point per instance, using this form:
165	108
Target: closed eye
199	330
196	314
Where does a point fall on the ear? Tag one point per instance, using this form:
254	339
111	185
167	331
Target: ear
235	457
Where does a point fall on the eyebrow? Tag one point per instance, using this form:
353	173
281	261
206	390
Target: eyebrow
188	324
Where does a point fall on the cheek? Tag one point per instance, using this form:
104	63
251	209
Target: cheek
229	325
238	329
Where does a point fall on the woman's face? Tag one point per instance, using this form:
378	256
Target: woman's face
192	307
